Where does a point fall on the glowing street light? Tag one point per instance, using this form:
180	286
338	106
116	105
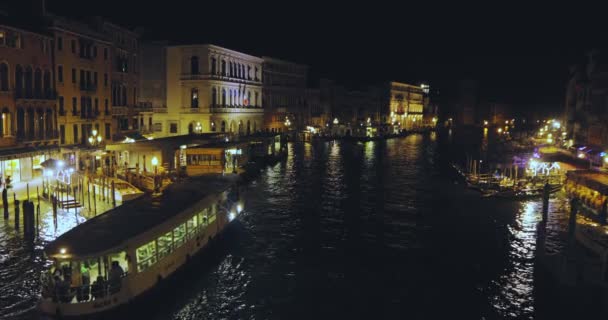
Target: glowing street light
336	121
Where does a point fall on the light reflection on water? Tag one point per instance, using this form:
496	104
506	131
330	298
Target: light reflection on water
358	230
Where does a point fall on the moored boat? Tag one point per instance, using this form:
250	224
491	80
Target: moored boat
111	259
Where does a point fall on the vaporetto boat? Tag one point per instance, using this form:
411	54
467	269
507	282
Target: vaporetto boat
115	257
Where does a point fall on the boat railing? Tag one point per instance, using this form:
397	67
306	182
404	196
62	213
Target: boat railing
61	292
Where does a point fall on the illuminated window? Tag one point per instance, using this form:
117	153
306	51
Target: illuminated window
146	256
192	226
165	244
194	98
179	235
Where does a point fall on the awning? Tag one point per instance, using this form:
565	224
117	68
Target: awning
24	152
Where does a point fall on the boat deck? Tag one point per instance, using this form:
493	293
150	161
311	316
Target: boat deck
108	230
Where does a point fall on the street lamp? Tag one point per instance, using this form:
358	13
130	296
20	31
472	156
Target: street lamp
287	122
154	162
94	140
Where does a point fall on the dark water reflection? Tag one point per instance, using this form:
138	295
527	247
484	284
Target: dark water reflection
370	230
374	230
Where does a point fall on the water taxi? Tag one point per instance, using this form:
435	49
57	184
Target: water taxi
113	258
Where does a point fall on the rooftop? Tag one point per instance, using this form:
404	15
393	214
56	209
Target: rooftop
113	228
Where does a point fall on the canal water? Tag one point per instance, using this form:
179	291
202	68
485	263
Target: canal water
348	230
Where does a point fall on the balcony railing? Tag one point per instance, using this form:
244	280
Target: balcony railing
88	87
37	136
45	95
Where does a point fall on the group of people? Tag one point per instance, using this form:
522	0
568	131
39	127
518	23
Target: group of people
66	284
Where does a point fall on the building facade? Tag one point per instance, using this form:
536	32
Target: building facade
124	79
83	67
28	128
586	105
406	106
210	89
284	95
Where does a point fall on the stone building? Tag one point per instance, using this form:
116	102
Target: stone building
284	95
586	102
210	89
83	65
124	79
28	128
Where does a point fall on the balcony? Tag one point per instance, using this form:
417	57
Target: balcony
37	136
45	95
88	87
235	109
120	111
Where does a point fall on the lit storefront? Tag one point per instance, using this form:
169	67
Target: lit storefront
24	164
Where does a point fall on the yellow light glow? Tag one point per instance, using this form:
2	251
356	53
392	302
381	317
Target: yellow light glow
506	121
336	120
94	132
606	159
154	161
581	155
98	138
499	130
63	250
485	122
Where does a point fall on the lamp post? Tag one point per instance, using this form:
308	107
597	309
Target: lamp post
94	140
154	162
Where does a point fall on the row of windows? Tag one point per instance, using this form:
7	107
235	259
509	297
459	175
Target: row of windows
85	130
155	250
235	98
86	77
28	82
228	69
86	48
85	102
11	39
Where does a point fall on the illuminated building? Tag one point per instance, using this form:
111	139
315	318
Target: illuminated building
28	124
406	106
124	80
83	66
284	94
210	89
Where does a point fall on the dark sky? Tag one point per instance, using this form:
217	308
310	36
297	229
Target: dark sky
518	54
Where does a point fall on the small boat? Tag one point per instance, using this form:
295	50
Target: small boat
525	193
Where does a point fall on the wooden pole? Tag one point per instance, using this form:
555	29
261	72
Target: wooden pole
113	195
89	193
94	202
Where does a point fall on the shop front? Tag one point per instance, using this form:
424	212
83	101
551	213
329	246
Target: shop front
24	164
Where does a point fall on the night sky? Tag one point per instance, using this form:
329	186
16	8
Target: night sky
519	58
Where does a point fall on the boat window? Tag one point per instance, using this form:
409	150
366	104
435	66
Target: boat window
192	227
179	235
203	217
165	244
121	258
146	256
213	213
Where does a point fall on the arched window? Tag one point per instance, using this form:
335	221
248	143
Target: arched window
249	72
248	127
238	71
194	65
212	126
213	65
3	77
230	69
224	97
194	98
38	83
28	81
124	96
243	71
223	126
224	67
47	83
18	80
241	128
213	97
